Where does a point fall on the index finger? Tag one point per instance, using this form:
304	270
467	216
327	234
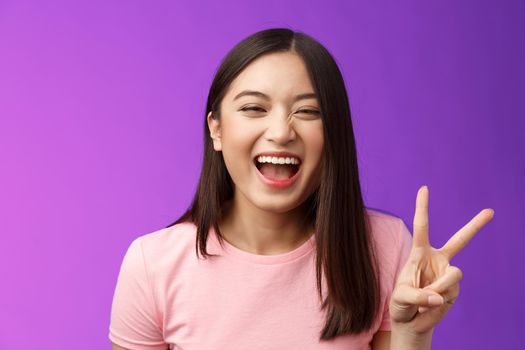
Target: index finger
420	236
460	239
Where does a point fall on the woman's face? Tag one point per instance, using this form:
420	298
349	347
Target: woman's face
277	123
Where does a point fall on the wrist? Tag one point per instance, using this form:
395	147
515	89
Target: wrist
404	337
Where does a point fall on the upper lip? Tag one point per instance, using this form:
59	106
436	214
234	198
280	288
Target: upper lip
278	154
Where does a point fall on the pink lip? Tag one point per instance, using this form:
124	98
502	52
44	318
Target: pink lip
278	183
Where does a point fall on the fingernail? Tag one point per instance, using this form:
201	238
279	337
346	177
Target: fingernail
435	300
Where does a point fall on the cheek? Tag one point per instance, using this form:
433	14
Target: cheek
314	140
237	144
238	137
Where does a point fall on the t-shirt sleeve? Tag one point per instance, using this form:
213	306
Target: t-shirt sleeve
134	320
404	245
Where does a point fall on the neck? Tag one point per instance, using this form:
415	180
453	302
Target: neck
262	232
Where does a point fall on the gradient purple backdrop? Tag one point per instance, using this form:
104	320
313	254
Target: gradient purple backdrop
102	107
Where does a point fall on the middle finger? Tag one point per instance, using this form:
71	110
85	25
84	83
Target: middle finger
460	239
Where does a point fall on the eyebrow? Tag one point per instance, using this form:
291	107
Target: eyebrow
266	97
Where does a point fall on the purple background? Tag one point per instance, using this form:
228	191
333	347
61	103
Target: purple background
102	108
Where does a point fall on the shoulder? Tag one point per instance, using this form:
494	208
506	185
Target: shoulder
145	277
168	238
166	248
391	239
387	229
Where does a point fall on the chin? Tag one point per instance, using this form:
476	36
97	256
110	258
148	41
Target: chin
277	206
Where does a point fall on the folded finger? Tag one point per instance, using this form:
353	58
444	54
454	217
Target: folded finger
407	296
449	296
451	277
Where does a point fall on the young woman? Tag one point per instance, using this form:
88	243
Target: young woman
290	257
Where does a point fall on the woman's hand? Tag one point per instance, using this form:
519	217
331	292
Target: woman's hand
428	285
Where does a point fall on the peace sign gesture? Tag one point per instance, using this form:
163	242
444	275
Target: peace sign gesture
428	285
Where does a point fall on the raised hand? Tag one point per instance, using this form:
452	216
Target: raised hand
428	285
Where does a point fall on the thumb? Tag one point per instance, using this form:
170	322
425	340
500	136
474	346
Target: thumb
406	300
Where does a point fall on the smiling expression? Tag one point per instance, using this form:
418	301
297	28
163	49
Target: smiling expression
270	107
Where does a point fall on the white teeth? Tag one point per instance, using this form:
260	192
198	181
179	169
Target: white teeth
278	160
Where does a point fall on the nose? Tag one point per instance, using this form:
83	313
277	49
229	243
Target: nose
280	128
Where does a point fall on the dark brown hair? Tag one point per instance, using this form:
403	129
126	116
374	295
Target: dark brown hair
344	252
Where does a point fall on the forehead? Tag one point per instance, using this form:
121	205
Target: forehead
280	75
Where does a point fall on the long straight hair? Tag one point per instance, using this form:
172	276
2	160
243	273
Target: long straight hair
344	252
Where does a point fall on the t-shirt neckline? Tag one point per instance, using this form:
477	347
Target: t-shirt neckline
239	254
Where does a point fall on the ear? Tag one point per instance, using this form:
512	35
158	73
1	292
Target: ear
214	126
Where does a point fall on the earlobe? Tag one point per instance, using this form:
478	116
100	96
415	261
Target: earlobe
215	131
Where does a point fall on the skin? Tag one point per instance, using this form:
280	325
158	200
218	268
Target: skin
427	272
264	220
261	219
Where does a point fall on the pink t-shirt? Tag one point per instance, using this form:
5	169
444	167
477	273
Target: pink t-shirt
166	298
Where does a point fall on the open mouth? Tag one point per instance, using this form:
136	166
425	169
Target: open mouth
277	171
